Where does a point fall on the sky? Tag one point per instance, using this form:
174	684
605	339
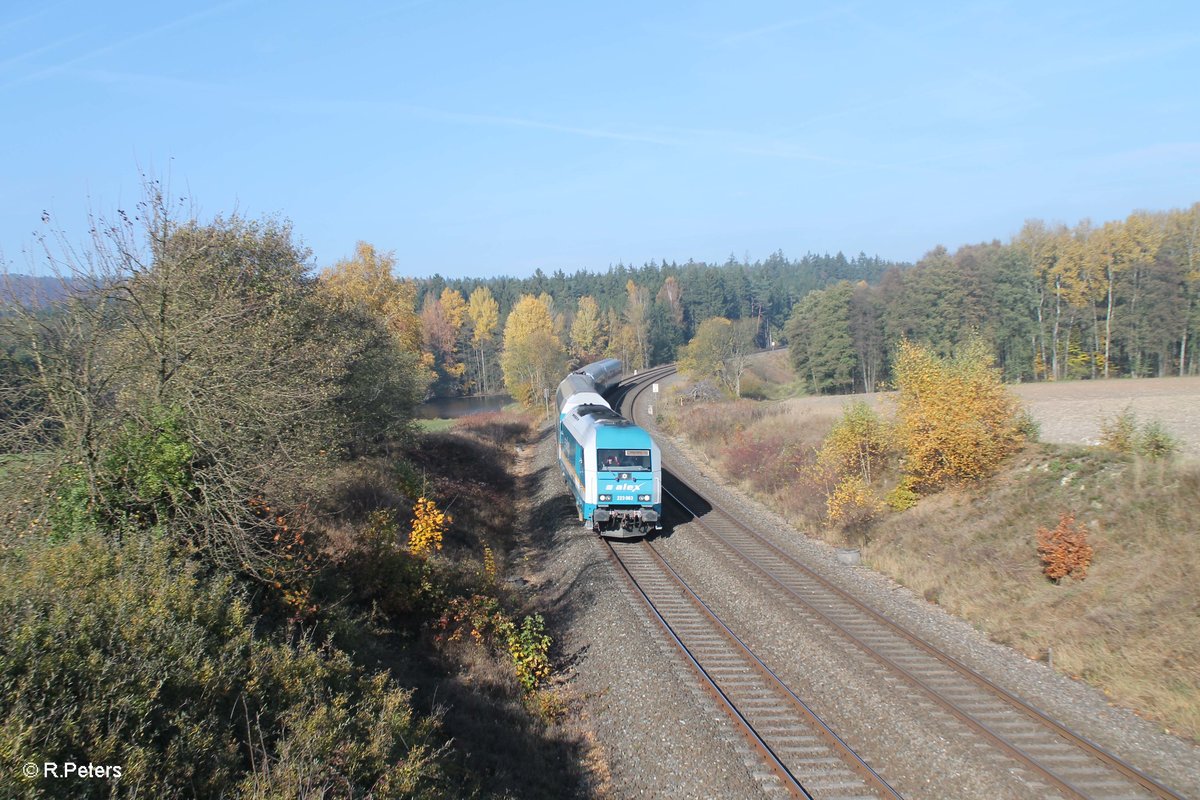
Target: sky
477	139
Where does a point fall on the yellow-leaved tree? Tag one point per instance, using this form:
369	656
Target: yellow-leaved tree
442	323
533	360
485	318
853	456
428	527
721	350
956	421
587	332
367	279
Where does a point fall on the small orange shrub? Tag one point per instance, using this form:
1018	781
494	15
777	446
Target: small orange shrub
1065	549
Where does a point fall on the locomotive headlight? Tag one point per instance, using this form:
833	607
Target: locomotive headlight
605	498
643	498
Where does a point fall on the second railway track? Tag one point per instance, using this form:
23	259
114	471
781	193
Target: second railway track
1067	763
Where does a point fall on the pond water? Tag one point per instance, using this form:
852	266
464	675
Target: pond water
455	407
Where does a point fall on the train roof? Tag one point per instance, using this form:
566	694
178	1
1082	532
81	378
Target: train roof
604	373
600	426
583	399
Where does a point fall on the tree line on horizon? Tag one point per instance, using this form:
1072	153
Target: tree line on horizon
468	334
1054	303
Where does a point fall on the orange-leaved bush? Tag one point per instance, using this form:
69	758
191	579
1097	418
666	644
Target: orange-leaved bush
1065	550
956	419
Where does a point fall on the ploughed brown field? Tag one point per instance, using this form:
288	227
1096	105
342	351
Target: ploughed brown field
1070	412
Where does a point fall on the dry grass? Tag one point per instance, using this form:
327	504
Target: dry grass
1130	628
765	448
771	377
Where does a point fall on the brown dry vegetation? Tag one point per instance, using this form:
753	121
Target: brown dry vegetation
506	742
1132	627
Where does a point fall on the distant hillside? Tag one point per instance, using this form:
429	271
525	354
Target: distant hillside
30	289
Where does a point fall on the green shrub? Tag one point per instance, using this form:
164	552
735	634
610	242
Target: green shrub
1028	426
144	480
1120	432
1124	434
529	648
1155	442
903	496
128	655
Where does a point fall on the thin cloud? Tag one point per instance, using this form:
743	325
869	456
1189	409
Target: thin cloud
29	54
19	21
61	67
1140	51
682	138
787	24
144	81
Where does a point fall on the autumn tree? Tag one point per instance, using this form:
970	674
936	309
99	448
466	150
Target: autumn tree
587	333
368	279
720	350
671	296
533	360
637	318
1119	249
1035	245
193	376
485	318
442	321
1181	247
956	421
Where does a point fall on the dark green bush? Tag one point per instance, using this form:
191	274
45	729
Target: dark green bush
128	655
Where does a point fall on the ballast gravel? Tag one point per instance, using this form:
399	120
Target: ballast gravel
657	734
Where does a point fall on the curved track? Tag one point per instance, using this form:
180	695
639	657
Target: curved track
1062	759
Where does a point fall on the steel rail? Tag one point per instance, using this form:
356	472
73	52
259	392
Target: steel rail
770	681
777	766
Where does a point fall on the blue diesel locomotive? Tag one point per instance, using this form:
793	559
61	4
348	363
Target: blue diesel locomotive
612	467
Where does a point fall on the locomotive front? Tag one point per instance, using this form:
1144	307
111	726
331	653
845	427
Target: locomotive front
628	480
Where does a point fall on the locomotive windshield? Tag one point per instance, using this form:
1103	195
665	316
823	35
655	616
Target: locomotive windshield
623	459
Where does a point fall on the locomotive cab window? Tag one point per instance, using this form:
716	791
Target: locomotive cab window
623	459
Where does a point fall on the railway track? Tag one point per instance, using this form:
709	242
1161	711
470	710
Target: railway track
1051	753
806	755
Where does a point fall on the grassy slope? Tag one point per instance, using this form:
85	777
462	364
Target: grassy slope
1132	627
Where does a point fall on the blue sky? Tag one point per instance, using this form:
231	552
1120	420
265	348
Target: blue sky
495	138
